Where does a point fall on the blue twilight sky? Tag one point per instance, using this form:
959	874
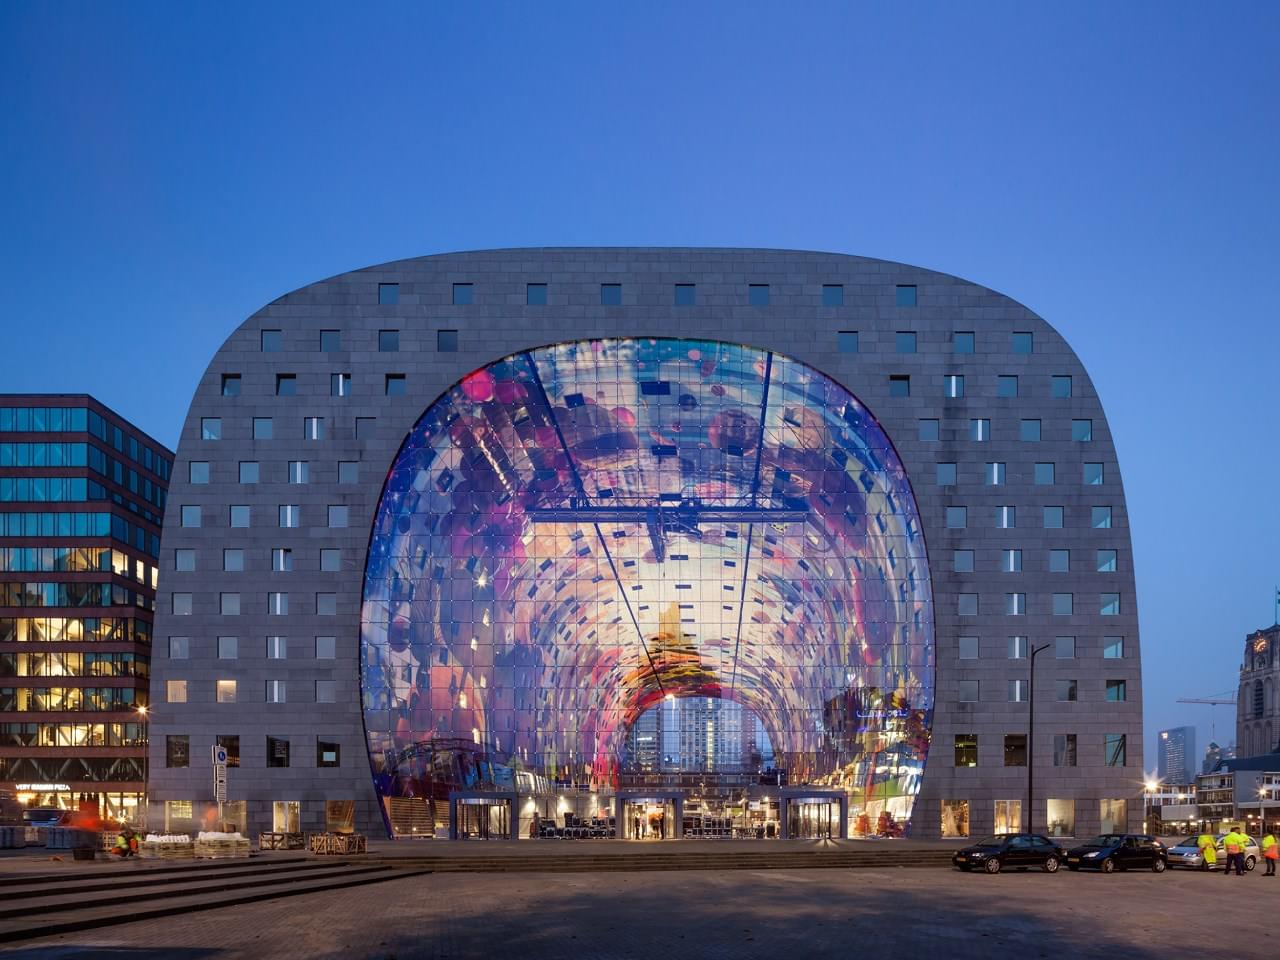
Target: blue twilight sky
166	169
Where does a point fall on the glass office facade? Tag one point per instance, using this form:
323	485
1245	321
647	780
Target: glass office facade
575	534
81	498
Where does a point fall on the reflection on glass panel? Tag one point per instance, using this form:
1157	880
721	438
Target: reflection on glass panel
955	818
573	535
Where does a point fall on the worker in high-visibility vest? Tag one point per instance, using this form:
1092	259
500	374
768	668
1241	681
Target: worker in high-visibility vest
1234	844
1208	849
1270	853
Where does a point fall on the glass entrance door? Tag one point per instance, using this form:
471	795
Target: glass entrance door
649	819
813	819
483	820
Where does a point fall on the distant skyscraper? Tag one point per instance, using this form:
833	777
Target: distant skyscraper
702	734
1177	752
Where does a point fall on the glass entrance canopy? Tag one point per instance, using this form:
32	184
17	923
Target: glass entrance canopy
572	534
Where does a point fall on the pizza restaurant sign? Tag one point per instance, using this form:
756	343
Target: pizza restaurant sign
42	787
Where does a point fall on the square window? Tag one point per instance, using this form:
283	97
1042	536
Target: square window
1006	517
610	294
396	385
1065	691
263	428
929	430
1106	561
272	341
962	342
299	471
962	561
758	294
177	752
1011	561
686	294
1082	431
226	691
249	471
1017	648
228	647
535	294
290	514
1053	518
184	561
231	745
1093	475
275	694
338	515
388	294
968	648
1109	604
366	428
847	341
979	429
967	604
953	386
462	294
229	604
330	341
967	691
1100	518
1060	388
326	648
286	385
239	516
1029	431
388	341
1044	474
231	384
1022	342
282	560
899	385
277	648
1059	561
326	691
175	691
1006	386
211	428
1015	604
330	560
1064	750
277	604
233	560
348	471
995	474
1062	604
1113	648
327	604
905	341
1017	691
182	604
906	295
833	295
198	471
1064	648
1114	749
328	754
339	384
957	518
190	516
946	474
1015	748
313	428
447	341
966	749
179	648
1116	691
277	749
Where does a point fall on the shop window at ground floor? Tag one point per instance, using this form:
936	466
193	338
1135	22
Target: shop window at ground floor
955	818
1061	815
1114	816
340	816
1008	816
179	816
192	816
286	816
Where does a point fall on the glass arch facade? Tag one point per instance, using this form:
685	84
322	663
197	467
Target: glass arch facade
574	533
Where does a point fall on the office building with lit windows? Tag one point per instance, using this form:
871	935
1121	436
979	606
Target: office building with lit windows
82	494
448	534
1176	762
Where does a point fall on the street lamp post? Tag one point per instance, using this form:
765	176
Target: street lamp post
1031	734
1262	811
146	764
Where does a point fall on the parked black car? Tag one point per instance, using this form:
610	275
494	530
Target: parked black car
1119	851
1013	850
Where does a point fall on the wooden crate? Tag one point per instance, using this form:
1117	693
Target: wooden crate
281	841
338	844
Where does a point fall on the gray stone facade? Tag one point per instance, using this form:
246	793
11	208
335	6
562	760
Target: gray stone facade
367	427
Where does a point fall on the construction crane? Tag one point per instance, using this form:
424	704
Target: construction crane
1224	699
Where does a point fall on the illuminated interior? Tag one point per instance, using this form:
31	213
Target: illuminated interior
573	534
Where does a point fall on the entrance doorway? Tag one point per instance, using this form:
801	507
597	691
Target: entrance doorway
483	819
813	819
649	819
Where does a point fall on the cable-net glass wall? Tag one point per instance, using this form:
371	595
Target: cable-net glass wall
572	534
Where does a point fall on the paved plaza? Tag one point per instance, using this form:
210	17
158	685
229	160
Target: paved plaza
891	913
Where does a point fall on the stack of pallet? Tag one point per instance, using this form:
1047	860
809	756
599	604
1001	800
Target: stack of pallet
211	845
166	846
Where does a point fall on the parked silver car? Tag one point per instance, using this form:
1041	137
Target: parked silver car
1187	855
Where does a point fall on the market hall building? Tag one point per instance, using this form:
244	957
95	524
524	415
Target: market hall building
445	533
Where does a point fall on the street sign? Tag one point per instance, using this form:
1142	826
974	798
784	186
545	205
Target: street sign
219	755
